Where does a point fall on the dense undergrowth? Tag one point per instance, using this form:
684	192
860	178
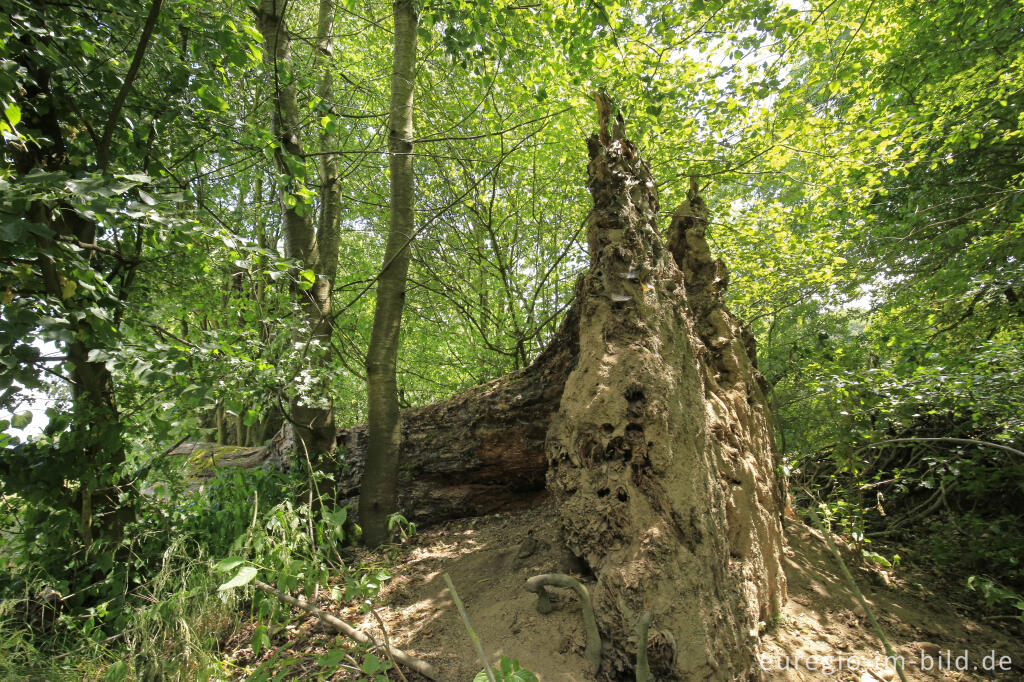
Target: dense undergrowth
163	603
924	456
160	604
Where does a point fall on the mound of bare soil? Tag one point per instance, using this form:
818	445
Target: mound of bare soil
821	635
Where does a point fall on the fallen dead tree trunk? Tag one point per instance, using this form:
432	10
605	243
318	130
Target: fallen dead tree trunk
478	452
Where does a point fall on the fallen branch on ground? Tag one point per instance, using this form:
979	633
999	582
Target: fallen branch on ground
387	643
469	628
422	667
812	512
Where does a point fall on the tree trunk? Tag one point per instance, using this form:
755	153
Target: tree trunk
313	418
96	434
327	231
378	495
479	452
661	455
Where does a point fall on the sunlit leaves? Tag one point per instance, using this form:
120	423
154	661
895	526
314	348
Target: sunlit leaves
243	577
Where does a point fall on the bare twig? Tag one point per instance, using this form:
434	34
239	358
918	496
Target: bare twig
420	666
493	133
387	644
469	628
103	150
960	441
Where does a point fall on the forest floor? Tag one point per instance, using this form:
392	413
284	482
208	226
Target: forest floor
822	634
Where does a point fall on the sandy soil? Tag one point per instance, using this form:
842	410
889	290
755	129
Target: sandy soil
823	634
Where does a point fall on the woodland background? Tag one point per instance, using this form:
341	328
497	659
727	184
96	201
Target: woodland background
862	162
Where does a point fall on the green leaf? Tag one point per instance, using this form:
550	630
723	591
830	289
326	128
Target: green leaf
21	420
371	664
117	672
13	113
332	658
338	516
877	558
243	577
225	565
260	639
98	355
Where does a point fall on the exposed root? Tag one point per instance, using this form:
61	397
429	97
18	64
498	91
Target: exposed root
643	668
537	583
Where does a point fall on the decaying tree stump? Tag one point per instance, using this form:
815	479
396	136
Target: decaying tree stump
661	456
648	418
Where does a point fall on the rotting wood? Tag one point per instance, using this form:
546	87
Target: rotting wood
479	452
661	456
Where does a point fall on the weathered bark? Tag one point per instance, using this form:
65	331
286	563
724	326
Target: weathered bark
313	418
476	453
479	452
377	497
327	231
661	455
